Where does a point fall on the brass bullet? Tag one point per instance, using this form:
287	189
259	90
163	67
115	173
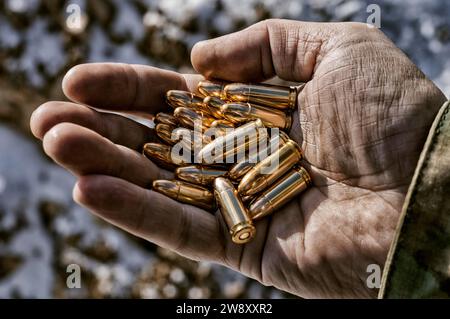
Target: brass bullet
241	168
220	127
165	118
208	88
276	96
285	189
222	124
177	98
187	118
199	175
233	211
162	155
237	142
244	112
186	193
164	132
266	172
213	104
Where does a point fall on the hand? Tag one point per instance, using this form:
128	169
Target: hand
362	119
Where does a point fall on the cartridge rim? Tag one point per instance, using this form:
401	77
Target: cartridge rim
292	97
304	174
243	233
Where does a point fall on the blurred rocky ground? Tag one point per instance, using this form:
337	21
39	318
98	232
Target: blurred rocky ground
41	229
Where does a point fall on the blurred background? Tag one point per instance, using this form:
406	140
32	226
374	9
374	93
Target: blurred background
41	229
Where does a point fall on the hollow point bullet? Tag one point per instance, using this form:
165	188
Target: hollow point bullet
233	211
186	193
238	170
244	112
276	96
280	193
265	173
165	118
208	88
199	175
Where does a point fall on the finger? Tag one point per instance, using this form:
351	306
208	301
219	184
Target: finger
83	152
285	48
118	129
124	87
150	215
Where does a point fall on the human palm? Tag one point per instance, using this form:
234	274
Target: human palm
362	119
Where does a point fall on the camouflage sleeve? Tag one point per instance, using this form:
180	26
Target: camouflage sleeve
418	263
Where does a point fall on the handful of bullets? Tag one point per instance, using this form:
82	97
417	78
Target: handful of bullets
244	164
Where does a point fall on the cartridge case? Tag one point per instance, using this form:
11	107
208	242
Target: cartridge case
241	168
186	193
237	142
208	88
266	172
160	154
199	175
244	112
164	132
177	98
275	96
188	117
280	193
233	211
165	118
213	104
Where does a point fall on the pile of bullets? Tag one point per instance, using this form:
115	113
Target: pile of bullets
244	188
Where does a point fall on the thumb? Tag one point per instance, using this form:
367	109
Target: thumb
288	49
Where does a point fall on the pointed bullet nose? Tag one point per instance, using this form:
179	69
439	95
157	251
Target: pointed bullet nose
165	187
208	88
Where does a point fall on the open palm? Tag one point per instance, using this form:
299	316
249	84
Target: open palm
362	119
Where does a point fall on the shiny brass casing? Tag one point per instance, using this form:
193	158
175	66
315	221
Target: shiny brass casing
237	142
220	143
238	170
244	112
263	174
178	98
213	104
199	175
285	189
233	211
160	154
164	132
186	193
187	117
165	118
276	96
208	88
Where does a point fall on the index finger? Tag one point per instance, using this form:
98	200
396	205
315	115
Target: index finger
124	87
